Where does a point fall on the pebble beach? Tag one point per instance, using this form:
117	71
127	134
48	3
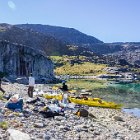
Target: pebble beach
102	124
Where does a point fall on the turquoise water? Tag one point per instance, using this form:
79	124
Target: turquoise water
132	87
132	94
126	94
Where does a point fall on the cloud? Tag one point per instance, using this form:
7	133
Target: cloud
12	5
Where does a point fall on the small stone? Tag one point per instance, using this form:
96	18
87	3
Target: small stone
96	133
46	137
11	115
85	126
59	118
57	123
91	129
61	127
78	128
39	125
110	116
3	135
117	118
84	129
66	128
32	138
21	115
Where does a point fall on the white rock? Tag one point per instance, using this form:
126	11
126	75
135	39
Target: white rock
17	135
59	118
39	125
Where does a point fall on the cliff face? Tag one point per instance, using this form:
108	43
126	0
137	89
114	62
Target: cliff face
19	60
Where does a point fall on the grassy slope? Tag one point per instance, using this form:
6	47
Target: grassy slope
63	67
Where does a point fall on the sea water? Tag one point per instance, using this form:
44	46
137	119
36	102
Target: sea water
133	111
131	97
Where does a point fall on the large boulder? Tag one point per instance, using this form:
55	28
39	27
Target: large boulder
17	135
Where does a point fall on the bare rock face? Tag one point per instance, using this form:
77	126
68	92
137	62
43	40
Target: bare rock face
19	61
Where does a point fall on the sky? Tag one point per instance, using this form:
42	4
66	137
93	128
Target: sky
107	20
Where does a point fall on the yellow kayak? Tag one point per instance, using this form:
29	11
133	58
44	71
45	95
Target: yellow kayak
49	96
95	103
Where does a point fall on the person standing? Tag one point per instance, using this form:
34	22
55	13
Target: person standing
65	94
2	75
31	85
3	91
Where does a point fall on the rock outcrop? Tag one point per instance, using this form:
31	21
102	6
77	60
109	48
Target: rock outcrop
19	60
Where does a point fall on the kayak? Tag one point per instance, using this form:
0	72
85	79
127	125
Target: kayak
95	103
53	96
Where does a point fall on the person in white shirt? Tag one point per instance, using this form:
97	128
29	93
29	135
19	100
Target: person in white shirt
31	85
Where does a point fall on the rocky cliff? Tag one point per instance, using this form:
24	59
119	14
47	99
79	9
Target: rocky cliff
19	60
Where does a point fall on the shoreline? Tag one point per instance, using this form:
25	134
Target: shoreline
102	124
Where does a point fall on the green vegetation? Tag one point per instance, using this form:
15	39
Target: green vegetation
1	96
4	125
74	65
81	69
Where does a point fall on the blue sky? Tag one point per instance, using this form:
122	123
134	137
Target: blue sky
107	20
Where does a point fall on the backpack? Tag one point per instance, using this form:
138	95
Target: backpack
82	113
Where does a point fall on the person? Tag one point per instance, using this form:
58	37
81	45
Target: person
64	86
65	98
84	97
2	75
3	91
65	94
31	85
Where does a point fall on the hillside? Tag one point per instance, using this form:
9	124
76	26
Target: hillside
39	41
31	39
68	35
71	36
130	52
77	65
59	41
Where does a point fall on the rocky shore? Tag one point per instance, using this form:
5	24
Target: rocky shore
102	124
